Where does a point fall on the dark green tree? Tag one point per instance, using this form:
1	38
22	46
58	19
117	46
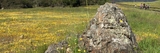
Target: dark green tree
47	3
27	3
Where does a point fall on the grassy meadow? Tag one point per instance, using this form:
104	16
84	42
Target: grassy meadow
32	30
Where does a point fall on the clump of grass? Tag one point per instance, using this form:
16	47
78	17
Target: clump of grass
149	45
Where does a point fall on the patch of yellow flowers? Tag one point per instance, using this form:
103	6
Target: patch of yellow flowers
141	35
38	28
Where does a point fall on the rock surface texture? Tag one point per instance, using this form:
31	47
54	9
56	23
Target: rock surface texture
108	32
53	48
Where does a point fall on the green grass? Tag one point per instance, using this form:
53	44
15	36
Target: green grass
151	4
44	26
145	25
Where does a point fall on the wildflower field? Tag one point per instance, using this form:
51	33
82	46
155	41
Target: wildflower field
32	30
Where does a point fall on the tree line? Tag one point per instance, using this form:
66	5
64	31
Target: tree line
47	3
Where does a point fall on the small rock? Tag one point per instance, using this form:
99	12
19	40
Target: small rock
53	48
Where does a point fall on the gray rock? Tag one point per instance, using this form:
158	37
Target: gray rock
108	32
54	48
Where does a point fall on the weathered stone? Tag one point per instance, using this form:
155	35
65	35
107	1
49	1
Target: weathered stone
53	48
108	32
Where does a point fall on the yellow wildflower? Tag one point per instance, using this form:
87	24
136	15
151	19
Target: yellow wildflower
35	45
80	38
79	50
121	21
61	47
69	45
57	48
84	50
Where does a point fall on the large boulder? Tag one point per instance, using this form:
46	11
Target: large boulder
108	32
